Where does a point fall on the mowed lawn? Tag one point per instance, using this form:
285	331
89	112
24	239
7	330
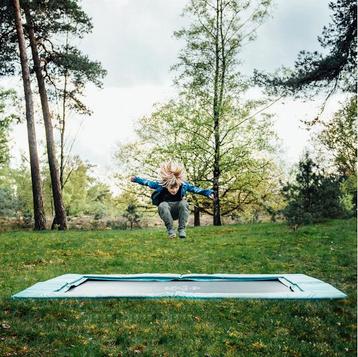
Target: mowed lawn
180	327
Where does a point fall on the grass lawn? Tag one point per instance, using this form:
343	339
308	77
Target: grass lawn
174	327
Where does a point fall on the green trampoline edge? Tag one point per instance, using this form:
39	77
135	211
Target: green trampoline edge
303	287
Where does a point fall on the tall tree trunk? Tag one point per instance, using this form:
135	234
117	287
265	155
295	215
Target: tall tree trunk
216	115
196	216
60	214
62	129
39	215
63	126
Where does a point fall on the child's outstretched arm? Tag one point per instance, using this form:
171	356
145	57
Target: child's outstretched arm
152	184
200	191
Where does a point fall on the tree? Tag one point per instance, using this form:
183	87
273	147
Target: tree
208	63
315	72
60	214
68	71
67	60
181	130
9	204
313	196
132	215
39	216
339	137
47	21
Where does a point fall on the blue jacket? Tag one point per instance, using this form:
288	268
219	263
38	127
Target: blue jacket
185	187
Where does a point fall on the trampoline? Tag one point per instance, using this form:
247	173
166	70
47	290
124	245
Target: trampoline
196	286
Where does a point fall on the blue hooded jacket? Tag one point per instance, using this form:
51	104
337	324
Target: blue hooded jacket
185	187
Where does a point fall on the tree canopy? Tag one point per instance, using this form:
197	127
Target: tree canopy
333	69
53	22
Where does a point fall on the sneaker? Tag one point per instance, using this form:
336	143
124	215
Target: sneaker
171	233
182	233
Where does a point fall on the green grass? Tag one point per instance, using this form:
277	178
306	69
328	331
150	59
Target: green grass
173	327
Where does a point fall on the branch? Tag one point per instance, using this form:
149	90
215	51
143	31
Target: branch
249	117
316	120
201	23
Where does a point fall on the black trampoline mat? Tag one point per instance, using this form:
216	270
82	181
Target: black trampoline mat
147	288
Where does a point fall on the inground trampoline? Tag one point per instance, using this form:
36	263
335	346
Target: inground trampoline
196	286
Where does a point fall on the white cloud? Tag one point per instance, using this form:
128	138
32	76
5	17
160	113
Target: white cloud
116	109
133	39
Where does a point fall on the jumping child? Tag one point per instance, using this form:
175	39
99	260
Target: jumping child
169	196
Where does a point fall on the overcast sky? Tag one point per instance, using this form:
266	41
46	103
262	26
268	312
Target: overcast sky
133	39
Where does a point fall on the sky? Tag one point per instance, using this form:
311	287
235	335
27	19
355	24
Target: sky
133	39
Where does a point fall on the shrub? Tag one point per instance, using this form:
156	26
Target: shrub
8	202
312	197
118	223
132	215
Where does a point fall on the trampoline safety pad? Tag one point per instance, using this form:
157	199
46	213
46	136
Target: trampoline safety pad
196	286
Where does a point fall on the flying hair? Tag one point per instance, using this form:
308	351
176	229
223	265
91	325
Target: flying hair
171	174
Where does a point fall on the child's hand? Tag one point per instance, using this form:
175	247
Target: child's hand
211	196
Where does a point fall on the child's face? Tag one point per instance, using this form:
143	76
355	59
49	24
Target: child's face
173	189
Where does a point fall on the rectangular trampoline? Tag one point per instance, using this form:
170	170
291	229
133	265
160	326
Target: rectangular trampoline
196	286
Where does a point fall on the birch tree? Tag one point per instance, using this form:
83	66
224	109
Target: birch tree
208	63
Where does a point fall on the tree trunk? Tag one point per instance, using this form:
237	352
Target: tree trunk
39	215
63	127
60	214
196	216
216	116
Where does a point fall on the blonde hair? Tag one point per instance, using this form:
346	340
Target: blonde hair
171	174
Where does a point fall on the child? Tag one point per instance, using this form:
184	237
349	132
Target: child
169	196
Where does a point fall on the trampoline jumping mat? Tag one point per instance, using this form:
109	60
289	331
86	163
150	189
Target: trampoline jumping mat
197	286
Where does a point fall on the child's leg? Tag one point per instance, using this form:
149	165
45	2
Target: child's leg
165	215
183	208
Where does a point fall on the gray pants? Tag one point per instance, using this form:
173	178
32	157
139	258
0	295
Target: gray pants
170	211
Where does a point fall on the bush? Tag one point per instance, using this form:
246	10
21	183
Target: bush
8	202
27	217
132	215
119	223
313	197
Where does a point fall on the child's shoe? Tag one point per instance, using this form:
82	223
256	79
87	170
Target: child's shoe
171	233
182	233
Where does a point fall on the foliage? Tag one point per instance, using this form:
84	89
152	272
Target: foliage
215	36
248	172
46	22
54	22
315	72
22	182
339	137
180	327
313	197
8	202
132	215
349	195
7	116
83	193
208	65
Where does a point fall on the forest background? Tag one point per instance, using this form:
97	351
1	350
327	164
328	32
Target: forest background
207	88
